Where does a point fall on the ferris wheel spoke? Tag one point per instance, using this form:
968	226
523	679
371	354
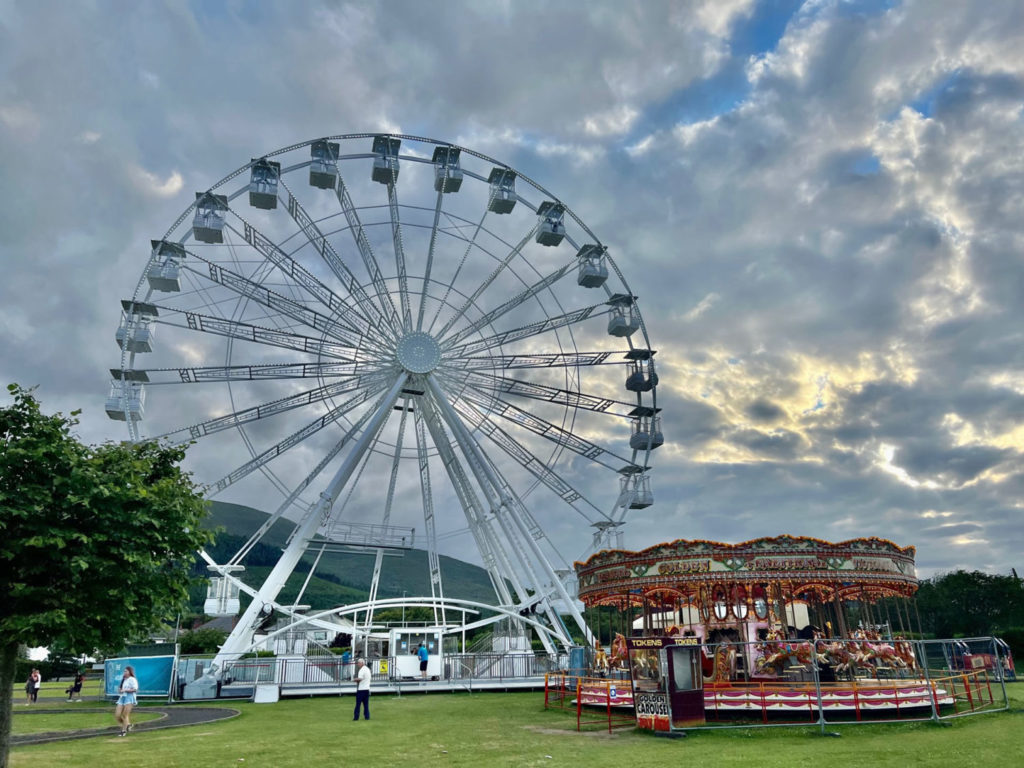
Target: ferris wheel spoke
290	308
492	551
393	479
294	439
423	460
513	303
332	525
458	270
538	566
289	501
292	269
545	429
487	282
493	488
234	329
355	226
264	372
272	408
526	459
372	318
525	332
396	238
534	391
552	360
430	259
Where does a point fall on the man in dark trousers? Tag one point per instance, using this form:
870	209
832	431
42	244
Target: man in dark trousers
362	678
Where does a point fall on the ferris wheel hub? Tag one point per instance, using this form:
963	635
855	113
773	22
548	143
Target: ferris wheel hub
418	352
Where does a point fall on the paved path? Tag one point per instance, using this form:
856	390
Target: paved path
171	717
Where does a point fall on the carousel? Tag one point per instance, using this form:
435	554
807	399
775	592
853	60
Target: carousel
749	626
790	586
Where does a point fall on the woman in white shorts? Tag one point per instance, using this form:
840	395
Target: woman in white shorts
128	688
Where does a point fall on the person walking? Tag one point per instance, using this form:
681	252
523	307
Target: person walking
423	655
128	688
362	678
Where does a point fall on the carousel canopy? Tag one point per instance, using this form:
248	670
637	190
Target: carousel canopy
858	569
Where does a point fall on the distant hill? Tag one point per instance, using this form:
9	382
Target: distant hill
340	578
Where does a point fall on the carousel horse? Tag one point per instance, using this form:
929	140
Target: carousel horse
777	652
721	666
876	652
844	657
600	659
619	652
884	654
905	650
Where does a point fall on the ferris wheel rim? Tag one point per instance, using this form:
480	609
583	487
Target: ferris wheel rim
472	337
241	169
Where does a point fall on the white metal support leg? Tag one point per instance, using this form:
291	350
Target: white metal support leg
509	503
241	637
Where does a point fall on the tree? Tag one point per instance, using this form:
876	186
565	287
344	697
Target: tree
201	641
970	604
96	542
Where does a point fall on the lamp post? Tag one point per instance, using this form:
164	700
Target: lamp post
403	607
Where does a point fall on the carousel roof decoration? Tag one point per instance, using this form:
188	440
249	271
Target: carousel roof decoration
856	569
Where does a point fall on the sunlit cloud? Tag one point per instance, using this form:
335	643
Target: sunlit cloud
151	184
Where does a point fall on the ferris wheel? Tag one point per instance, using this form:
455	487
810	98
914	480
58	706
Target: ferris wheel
390	341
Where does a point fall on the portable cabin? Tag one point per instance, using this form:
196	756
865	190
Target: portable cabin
503	190
164	273
635	488
385	165
135	333
263	184
404	644
551	228
623	321
323	164
641	376
447	172
222	593
592	271
211	212
127	396
642	496
646	431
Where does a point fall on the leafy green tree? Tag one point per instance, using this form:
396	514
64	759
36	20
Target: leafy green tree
970	604
202	641
96	542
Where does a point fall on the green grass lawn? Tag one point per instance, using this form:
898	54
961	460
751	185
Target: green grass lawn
495	729
74	721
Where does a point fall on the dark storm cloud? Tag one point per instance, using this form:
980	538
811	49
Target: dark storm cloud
764	411
778	445
955	465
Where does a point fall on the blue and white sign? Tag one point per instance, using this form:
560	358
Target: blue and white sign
152	672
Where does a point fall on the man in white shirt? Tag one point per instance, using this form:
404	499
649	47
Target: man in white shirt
362	678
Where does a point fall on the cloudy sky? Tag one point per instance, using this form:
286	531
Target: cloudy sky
819	205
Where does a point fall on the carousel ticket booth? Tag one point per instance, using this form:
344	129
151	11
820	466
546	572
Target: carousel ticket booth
668	685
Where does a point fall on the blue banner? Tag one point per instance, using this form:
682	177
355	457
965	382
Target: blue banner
152	672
